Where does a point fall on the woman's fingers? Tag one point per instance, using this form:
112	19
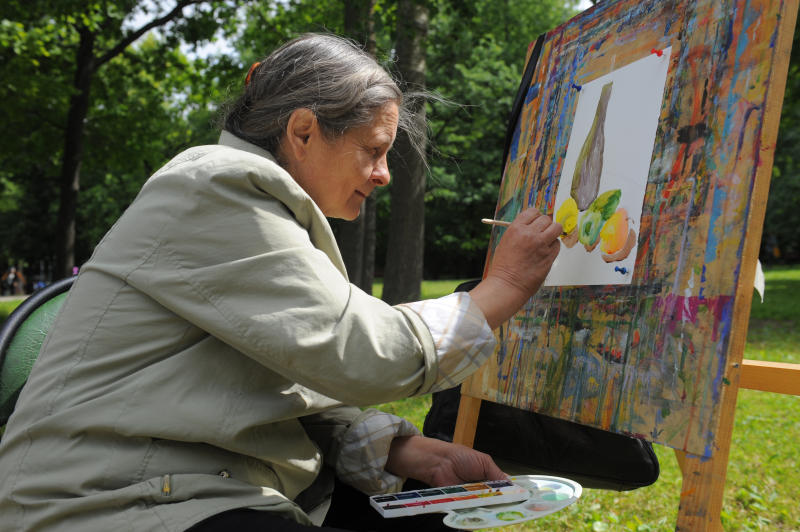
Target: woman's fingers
528	215
519	265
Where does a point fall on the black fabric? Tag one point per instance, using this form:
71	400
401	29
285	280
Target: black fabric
245	520
521	441
350	511
519	99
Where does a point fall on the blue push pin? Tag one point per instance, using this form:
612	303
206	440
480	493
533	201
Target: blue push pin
577	87
621	269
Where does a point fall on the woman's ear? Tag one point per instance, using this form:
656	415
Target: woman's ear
300	129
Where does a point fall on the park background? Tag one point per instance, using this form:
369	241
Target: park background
97	95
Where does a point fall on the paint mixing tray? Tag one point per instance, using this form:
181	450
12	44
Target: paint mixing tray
486	504
546	495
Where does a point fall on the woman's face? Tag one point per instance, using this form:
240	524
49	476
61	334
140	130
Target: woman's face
340	174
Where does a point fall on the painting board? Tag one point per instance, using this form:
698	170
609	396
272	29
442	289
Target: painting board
634	106
648	357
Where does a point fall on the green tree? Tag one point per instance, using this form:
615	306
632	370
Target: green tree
405	246
356	239
53	53
780	242
476	55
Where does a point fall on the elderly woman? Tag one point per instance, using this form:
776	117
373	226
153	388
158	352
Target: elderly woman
198	372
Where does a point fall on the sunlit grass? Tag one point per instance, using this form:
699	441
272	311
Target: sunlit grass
763	482
7	306
429	289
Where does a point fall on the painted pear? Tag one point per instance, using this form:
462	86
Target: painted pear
606	203
589	166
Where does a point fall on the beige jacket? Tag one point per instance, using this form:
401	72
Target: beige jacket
213	316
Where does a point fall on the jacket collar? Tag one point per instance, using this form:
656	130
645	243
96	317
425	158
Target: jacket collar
285	189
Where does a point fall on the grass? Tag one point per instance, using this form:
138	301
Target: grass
763	482
429	289
6	306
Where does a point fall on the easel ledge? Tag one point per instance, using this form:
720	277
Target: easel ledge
778	377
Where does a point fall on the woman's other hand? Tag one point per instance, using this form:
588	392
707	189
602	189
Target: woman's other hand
439	463
520	264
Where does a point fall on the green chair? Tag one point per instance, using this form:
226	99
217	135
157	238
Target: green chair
21	337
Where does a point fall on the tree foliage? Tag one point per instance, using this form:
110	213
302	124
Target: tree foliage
85	100
780	241
149	99
476	57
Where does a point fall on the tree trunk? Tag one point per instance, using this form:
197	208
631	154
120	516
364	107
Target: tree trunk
86	64
403	272
73	153
356	239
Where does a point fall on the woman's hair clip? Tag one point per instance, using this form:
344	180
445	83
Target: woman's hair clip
250	72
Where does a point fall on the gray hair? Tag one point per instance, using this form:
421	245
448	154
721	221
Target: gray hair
334	78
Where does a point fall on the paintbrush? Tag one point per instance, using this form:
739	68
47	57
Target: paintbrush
489	221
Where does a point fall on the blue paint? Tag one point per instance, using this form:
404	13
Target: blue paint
748	19
720	195
597	44
533	92
512	153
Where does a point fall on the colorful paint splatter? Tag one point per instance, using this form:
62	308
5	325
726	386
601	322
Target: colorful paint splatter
648	358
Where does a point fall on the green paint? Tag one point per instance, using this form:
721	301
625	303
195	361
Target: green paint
510	516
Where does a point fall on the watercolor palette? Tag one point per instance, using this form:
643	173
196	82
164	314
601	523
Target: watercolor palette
484	504
546	495
490	492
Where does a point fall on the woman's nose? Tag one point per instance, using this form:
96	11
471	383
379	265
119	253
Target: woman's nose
380	173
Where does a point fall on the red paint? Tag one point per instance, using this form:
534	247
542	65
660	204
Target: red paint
680	309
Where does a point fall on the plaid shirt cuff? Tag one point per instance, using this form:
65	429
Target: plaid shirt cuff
464	341
365	450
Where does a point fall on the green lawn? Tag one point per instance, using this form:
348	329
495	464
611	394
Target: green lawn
763	485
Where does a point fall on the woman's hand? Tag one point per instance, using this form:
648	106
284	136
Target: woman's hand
439	463
520	264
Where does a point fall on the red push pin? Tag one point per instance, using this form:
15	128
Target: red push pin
659	53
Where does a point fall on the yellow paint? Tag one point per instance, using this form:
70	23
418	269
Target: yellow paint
567	215
614	232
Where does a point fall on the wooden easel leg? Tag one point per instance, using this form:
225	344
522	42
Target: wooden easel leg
704	479
467	420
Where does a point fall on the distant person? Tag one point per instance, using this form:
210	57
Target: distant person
205	369
13	282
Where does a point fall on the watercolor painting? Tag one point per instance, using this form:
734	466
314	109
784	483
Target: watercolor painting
643	349
602	184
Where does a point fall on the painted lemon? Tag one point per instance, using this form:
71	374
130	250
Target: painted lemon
614	233
567	215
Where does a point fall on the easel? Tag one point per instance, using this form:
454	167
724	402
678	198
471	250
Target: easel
704	479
